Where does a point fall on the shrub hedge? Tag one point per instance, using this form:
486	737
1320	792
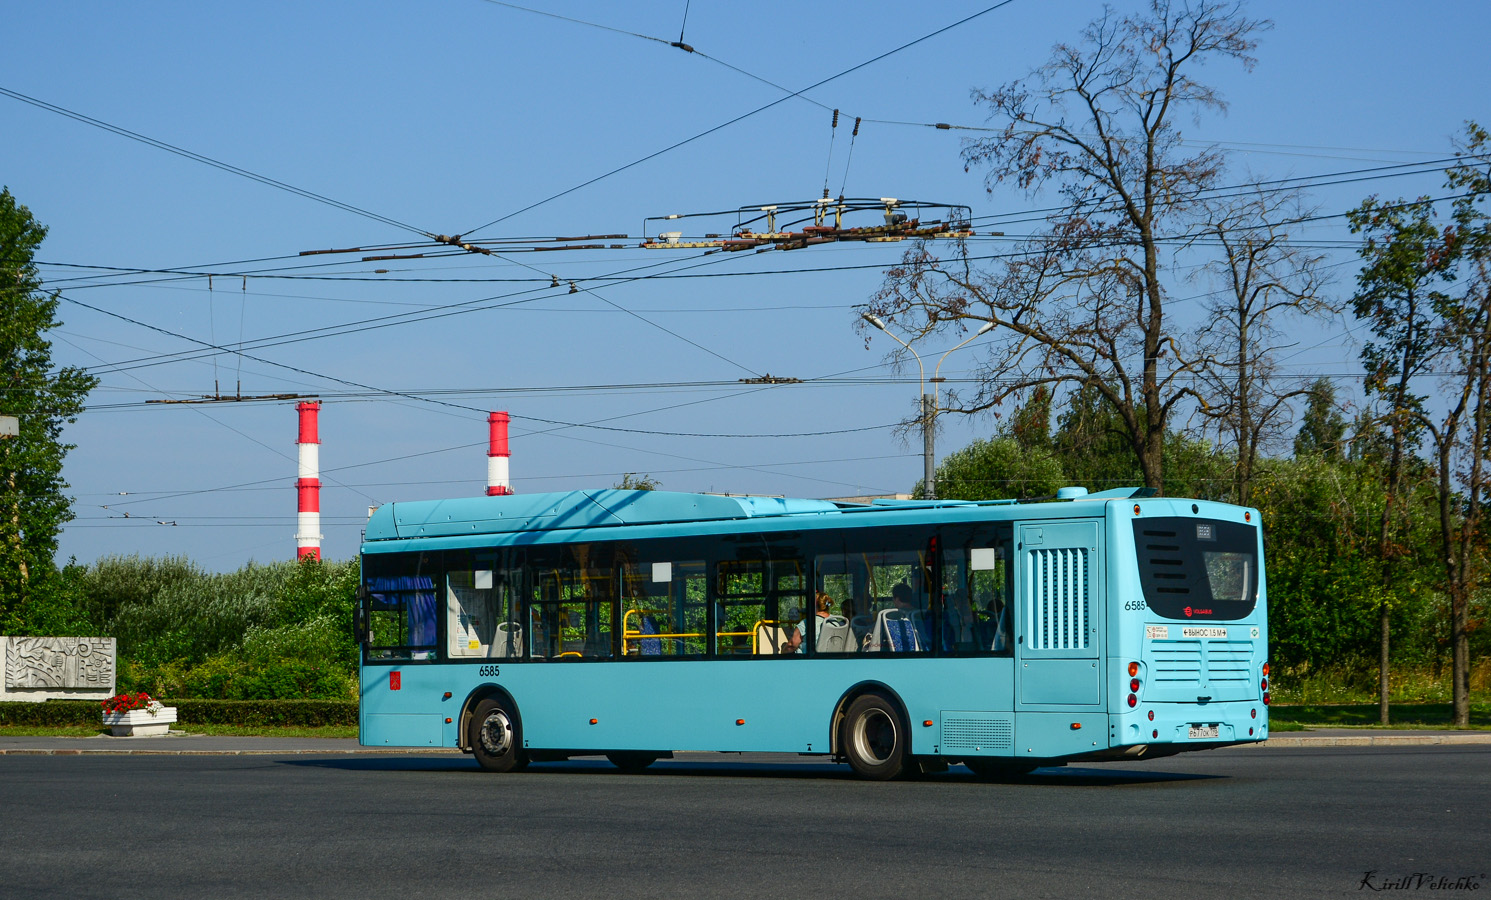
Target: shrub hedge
268	713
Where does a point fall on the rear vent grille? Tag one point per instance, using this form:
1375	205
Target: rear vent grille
1059	599
1229	660
1176	662
965	733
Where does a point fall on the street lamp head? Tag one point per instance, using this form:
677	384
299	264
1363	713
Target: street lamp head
988	327
873	320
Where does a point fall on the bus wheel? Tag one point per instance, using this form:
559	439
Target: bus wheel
494	737
874	738
632	761
990	769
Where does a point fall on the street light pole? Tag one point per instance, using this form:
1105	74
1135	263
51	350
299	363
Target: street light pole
928	403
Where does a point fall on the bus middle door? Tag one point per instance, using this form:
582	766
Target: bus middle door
1058	637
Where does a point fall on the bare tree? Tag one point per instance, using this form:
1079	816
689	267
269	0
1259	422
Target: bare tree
1083	302
1264	278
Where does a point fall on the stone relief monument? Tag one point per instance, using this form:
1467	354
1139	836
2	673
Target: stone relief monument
57	668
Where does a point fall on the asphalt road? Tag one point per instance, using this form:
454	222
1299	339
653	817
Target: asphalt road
1279	823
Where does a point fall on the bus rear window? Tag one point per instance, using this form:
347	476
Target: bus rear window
1197	568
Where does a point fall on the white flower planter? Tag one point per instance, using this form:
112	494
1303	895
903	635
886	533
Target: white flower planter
140	722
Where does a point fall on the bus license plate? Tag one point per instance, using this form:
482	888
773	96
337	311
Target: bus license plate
1203	731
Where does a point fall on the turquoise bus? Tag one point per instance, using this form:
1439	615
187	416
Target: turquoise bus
895	636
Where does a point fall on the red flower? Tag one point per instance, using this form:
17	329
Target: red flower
125	702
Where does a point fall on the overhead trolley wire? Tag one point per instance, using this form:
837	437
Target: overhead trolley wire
738	118
215	163
416	397
392	319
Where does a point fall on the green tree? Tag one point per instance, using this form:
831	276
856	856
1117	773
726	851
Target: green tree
631	481
998	469
43	400
1405	293
1322	430
1320	519
1091	444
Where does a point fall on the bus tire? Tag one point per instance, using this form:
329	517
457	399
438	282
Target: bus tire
496	738
993	769
632	761
874	738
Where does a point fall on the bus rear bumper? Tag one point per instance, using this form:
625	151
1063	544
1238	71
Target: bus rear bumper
1190	726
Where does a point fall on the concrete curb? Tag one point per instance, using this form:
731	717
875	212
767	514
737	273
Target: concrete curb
1373	740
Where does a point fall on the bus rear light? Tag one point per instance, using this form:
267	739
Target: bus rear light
1255	713
1136	509
1155	733
1263	685
1134	669
1247	517
1134	685
1265	699
1250	732
1151	715
1265	669
1133	700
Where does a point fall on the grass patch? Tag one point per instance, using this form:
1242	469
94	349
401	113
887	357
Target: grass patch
1408	686
1362	715
323	731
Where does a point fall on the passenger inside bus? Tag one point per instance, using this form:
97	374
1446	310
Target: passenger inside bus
825	606
899	628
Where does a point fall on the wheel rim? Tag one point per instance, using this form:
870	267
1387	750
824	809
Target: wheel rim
496	733
875	737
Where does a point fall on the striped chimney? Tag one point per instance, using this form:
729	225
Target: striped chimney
308	485
498	482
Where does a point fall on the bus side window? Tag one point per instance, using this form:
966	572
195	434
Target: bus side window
663	608
401	606
881	591
570	617
758	606
977	585
470	611
842	578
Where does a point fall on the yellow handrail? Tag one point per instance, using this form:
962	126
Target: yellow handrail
627	632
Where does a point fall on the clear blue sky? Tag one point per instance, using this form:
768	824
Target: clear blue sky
448	115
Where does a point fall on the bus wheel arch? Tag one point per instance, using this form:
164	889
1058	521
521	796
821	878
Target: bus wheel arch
492	729
871	731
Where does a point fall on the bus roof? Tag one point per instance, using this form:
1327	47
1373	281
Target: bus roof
567	510
572	509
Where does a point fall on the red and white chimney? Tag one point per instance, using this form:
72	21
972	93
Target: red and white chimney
308	485
498	481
